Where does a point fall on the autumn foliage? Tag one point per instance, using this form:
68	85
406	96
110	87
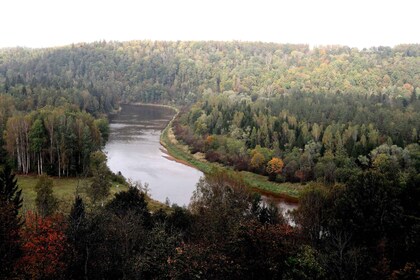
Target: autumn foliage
274	167
43	246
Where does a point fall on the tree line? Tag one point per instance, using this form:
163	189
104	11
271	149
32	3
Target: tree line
53	140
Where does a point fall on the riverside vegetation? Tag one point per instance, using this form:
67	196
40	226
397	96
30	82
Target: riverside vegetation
340	125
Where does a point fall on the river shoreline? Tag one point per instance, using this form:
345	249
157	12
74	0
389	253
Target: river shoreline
154	105
205	166
169	157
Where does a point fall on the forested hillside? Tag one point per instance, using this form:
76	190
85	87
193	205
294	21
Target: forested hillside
380	84
96	76
341	123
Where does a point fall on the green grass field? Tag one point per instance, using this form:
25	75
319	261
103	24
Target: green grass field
65	190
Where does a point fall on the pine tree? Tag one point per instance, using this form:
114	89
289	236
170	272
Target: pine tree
77	236
10	221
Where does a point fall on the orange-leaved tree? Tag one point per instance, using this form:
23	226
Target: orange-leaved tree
274	167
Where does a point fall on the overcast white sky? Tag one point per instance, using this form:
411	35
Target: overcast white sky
356	23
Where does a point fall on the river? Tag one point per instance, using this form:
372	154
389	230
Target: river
134	150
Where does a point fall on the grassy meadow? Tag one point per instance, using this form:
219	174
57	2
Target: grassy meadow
65	190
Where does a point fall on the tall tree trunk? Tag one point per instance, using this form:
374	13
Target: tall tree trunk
51	145
28	158
59	161
40	156
19	157
39	173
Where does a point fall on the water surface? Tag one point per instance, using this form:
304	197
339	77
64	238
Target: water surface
134	150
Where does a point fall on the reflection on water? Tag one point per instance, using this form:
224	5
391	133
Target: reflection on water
134	150
284	205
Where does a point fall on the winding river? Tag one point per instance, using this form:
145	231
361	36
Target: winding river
134	150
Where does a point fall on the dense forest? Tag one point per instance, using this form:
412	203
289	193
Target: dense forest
342	122
311	136
97	76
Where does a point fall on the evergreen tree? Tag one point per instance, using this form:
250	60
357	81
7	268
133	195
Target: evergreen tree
10	222
77	236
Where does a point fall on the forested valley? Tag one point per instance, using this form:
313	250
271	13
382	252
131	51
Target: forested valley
341	123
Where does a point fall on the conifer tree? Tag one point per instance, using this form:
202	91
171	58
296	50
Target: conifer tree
77	236
10	222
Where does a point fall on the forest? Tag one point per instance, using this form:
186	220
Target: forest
311	137
342	122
